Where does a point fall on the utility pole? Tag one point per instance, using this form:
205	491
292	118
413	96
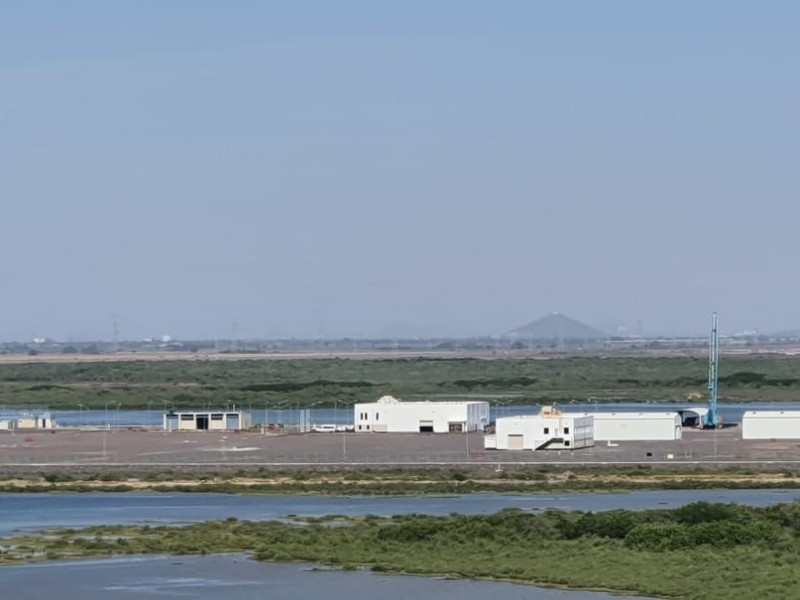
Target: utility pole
114	331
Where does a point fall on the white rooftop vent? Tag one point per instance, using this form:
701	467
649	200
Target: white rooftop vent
388	400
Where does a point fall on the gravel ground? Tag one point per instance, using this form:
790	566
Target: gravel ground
83	450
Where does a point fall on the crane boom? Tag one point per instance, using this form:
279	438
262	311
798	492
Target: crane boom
711	420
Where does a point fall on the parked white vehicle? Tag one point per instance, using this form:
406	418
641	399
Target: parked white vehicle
324	428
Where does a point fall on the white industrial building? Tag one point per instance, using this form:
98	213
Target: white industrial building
771	425
635	426
391	415
206	421
549	430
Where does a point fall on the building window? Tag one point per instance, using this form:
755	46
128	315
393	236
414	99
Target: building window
367	427
359	427
566	430
566	442
547	431
376	417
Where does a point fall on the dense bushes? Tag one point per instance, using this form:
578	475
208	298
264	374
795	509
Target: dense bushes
694	525
706	512
674	536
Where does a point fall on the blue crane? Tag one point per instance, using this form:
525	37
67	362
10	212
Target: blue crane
712	420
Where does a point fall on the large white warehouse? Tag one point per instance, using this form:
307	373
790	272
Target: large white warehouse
549	430
771	425
393	416
631	426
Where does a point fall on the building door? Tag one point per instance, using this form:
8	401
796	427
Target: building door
202	422
455	427
516	442
426	426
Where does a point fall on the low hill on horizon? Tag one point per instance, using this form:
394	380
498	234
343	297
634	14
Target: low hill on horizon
558	328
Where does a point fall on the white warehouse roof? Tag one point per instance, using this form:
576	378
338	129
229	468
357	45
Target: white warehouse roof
631	426
771	425
772	414
393	400
391	415
515	417
627	415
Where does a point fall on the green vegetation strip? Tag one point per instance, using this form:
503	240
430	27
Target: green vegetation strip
289	384
700	551
393	482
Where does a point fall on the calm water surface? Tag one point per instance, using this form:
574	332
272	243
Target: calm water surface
33	512
235	577
730	413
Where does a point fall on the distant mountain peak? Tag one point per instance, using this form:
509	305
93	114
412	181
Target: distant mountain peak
557	327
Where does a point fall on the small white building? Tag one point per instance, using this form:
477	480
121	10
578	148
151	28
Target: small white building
635	426
207	421
549	430
6	424
390	415
771	425
44	421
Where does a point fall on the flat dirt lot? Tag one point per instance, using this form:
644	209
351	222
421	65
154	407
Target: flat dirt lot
22	451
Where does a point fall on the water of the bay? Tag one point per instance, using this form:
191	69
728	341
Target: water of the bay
235	577
34	512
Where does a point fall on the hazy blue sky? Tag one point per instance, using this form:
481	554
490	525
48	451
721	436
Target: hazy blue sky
396	168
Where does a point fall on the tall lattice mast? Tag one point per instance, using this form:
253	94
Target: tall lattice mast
712	419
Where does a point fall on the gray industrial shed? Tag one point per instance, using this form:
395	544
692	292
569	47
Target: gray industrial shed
206	420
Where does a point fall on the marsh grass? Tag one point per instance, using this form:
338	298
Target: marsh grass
408	481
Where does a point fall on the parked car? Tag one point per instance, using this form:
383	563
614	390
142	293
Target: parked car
324	428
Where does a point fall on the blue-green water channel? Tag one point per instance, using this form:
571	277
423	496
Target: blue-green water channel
235	577
34	512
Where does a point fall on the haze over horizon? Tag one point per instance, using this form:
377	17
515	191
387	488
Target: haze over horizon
362	169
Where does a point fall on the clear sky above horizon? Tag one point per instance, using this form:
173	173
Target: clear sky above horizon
279	169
